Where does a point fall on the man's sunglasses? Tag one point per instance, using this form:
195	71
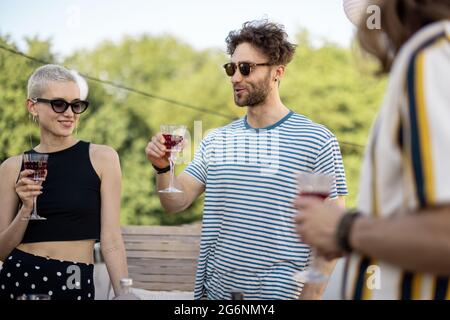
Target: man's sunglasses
60	105
244	67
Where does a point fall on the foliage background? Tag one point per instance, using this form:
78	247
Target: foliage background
331	85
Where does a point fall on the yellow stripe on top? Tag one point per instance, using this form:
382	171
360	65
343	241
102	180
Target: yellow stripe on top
367	292
424	132
447	296
417	286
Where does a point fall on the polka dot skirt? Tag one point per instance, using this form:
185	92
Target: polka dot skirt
24	273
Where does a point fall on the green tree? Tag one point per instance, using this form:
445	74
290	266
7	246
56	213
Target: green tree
17	131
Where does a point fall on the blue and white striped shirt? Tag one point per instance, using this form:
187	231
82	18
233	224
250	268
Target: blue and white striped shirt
249	243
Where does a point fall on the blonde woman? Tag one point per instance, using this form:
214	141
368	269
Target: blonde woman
80	199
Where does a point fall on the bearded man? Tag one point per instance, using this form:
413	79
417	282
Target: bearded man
247	170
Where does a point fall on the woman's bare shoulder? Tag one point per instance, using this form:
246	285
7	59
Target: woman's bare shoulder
104	159
103	152
10	168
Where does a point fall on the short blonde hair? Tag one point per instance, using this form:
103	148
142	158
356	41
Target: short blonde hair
38	81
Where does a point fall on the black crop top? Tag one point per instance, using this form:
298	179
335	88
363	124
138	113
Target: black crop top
70	200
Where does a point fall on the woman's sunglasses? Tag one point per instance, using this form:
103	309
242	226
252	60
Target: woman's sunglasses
244	67
60	105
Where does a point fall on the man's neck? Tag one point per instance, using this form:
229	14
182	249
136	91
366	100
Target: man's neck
267	114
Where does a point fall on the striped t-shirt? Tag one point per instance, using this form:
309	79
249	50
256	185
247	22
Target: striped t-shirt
406	167
249	243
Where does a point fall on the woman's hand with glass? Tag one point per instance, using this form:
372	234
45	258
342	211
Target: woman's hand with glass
28	189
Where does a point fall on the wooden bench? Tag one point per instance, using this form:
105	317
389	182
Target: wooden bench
162	258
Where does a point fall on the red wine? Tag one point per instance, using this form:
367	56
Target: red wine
172	140
39	167
321	195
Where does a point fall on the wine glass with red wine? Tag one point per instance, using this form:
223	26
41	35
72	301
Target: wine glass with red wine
314	185
38	163
173	136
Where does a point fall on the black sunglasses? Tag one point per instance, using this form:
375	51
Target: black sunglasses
60	105
244	67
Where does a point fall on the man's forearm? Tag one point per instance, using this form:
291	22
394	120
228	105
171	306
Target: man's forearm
418	242
171	202
314	291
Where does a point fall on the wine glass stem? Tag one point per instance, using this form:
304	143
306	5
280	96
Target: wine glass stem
34	206
172	173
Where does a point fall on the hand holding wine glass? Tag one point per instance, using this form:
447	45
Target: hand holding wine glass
173	141
163	149
314	185
27	189
157	153
30	181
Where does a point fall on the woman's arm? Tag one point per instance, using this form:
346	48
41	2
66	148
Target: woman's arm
106	162
12	224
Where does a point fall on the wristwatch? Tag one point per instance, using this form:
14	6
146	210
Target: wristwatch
344	228
161	170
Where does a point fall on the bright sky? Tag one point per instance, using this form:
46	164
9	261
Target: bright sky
75	24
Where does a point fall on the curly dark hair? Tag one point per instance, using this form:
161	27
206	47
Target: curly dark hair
267	36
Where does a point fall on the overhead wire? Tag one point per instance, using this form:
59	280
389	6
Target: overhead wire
147	94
